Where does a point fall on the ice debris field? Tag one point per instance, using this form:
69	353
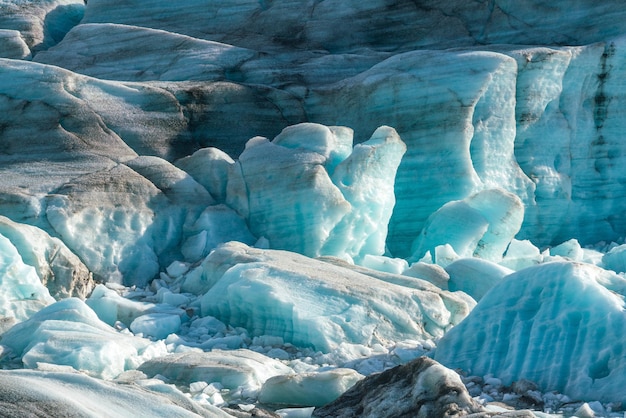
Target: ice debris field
312	209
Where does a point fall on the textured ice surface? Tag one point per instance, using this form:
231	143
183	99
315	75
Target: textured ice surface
558	324
136	56
312	303
123	172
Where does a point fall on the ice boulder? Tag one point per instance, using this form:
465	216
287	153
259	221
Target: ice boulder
209	167
311	303
615	259
559	324
481	225
69	333
306	192
156	325
231	369
308	389
21	292
420	388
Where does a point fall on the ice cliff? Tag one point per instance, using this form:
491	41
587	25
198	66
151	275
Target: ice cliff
311	187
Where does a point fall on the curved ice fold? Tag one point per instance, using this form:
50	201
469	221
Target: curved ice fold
313	303
559	324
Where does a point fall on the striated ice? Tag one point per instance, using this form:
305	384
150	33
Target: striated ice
49	393
330	203
558	324
12	45
142	54
60	270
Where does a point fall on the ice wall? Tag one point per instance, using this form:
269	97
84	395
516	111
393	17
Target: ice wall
540	122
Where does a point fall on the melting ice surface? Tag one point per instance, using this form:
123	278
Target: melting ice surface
224	208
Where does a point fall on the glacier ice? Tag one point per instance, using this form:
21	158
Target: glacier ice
56	393
58	268
481	225
126	159
334	200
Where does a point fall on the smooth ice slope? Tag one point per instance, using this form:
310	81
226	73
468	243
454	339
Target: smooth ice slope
315	304
142	54
559	324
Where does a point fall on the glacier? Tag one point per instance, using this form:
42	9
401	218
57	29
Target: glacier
283	208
